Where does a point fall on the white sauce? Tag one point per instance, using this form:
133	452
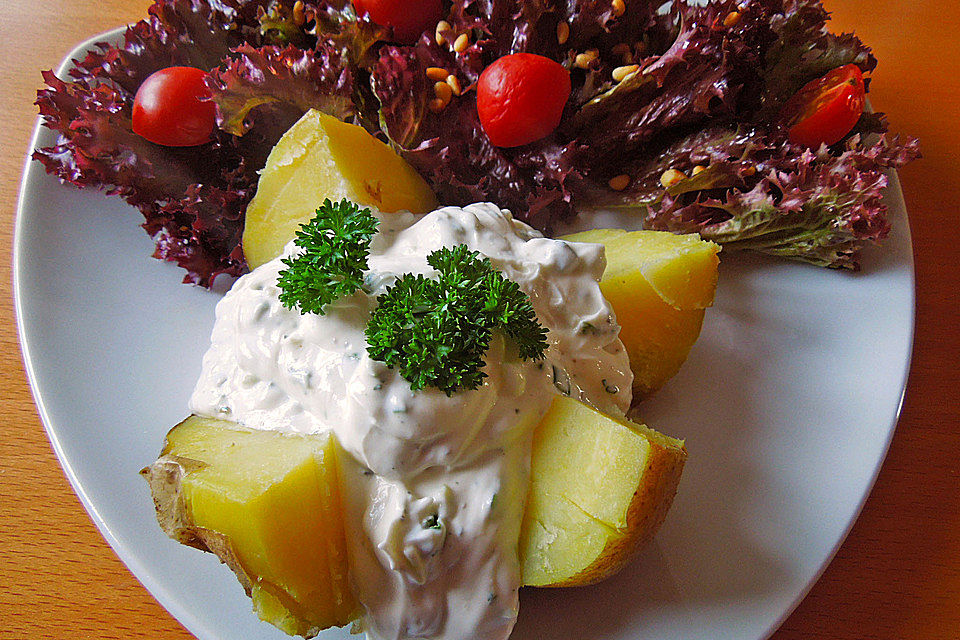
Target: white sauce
435	485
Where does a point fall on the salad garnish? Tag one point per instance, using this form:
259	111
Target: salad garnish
520	98
676	117
826	109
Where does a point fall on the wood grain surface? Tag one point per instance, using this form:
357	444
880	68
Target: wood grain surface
896	577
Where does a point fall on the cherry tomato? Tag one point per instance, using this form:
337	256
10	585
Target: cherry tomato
408	18
168	109
826	109
520	98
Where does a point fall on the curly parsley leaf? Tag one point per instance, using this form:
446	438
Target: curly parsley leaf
513	313
437	331
335	243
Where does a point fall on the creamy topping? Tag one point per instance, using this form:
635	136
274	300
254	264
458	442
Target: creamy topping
435	485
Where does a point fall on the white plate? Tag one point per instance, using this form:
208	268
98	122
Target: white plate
788	403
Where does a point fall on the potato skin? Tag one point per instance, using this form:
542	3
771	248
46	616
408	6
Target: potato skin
165	477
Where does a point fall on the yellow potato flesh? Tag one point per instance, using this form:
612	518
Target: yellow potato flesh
322	157
276	499
599	488
658	284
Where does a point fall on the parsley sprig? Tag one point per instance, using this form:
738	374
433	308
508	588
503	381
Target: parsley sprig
335	243
437	331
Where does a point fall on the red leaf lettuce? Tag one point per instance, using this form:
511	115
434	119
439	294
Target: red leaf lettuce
710	83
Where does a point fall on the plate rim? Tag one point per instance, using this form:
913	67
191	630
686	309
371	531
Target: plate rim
893	191
137	569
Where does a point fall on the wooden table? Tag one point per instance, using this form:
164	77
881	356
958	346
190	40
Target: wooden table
896	577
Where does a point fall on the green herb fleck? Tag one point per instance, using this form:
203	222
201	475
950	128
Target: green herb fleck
432	522
335	243
437	331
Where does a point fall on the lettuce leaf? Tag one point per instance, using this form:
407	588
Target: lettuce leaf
287	82
537	181
805	50
451	150
707	93
754	189
279	84
760	194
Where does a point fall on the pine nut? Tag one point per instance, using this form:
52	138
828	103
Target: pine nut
436	73
444	92
619	183
584	59
732	19
563	32
454	84
671	177
621	73
442	26
461	43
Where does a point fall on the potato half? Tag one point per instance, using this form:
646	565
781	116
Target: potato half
321	157
659	285
600	488
268	505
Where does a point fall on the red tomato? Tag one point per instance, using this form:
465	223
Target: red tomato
826	109
168	109
409	18
520	98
